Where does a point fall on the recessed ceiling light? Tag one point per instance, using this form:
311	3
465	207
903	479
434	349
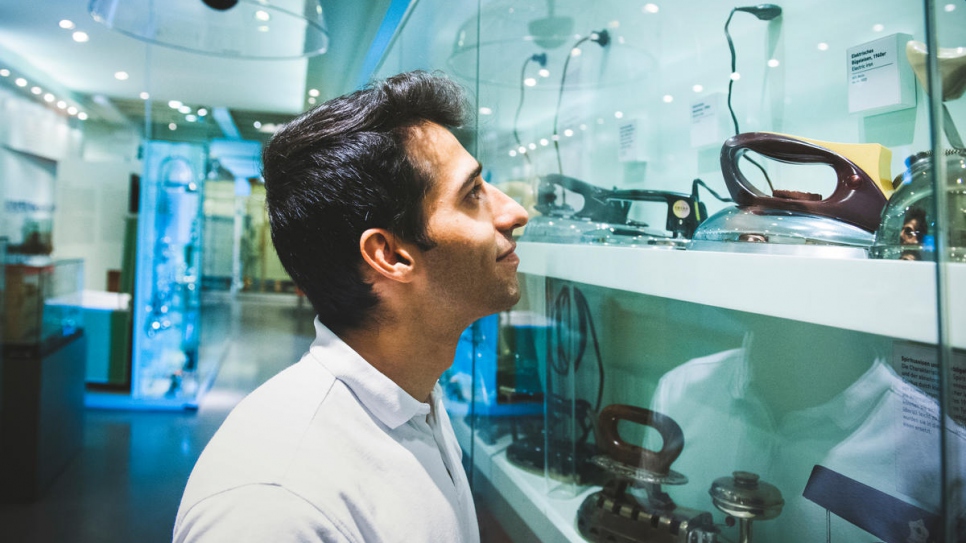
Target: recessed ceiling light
773	63
144	95
651	8
191	118
697	88
257	124
175	104
202	112
36	90
530	82
668	98
544	72
822	46
263	28
314	92
61	104
184	110
262	15
5	72
21	82
486	111
121	76
172	126
49	98
66	24
311	100
82	116
568	132
80	37
72	110
735	76
878	28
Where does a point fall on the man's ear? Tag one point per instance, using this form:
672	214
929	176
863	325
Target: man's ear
386	255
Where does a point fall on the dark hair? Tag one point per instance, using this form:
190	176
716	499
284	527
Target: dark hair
343	168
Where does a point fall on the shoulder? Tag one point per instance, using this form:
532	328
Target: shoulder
257	512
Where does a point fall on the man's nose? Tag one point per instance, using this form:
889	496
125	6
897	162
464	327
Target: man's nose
509	214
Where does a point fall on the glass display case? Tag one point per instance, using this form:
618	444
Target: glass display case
743	278
39	315
167	291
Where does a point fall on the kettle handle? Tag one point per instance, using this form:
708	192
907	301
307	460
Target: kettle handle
856	199
610	442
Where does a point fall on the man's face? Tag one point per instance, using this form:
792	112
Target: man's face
471	270
910	233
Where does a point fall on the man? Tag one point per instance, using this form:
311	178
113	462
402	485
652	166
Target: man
382	218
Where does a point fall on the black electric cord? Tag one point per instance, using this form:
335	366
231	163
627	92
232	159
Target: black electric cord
697	199
541	59
562	362
731	82
603	38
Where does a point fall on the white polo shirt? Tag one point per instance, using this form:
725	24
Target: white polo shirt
330	449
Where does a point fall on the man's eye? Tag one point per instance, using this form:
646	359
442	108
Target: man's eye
476	191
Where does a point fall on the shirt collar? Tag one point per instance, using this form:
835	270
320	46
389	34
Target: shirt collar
386	400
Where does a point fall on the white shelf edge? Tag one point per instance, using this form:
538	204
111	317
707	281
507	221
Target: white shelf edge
886	297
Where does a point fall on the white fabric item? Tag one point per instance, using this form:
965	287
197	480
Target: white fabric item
859	433
330	449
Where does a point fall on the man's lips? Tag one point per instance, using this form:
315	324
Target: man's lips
509	255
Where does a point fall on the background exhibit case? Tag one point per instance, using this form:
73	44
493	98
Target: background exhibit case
789	370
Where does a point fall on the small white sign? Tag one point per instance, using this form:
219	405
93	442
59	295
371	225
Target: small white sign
880	78
630	137
709	121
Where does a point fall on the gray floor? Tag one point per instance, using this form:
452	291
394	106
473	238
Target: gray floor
126	483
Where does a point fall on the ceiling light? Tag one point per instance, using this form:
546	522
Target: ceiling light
175	104
314	92
949	7
191	118
121	76
36	90
575	52
257	124
188	26
49	98
486	111
544	72
202	112
822	46
82	116
735	76
80	37
773	63
172	126
61	104
568	132
532	146
530	82
650	8
878	28
513	152
5	72
66	24
72	110
522	150
184	110
544	141
144	95
668	98
697	88
21	82
311	100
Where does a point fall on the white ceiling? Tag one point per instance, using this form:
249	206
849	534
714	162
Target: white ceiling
30	37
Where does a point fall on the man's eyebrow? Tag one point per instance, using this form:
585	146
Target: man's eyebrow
471	178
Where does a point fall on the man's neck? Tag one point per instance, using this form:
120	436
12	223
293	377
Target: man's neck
412	352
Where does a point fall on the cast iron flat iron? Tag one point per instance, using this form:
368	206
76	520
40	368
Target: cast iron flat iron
615	513
791	222
603	218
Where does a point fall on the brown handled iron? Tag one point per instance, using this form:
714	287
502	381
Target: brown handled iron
857	199
609	440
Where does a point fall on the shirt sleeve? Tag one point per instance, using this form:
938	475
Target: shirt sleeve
257	513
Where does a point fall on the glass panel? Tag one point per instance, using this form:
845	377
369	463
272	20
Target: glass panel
729	337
